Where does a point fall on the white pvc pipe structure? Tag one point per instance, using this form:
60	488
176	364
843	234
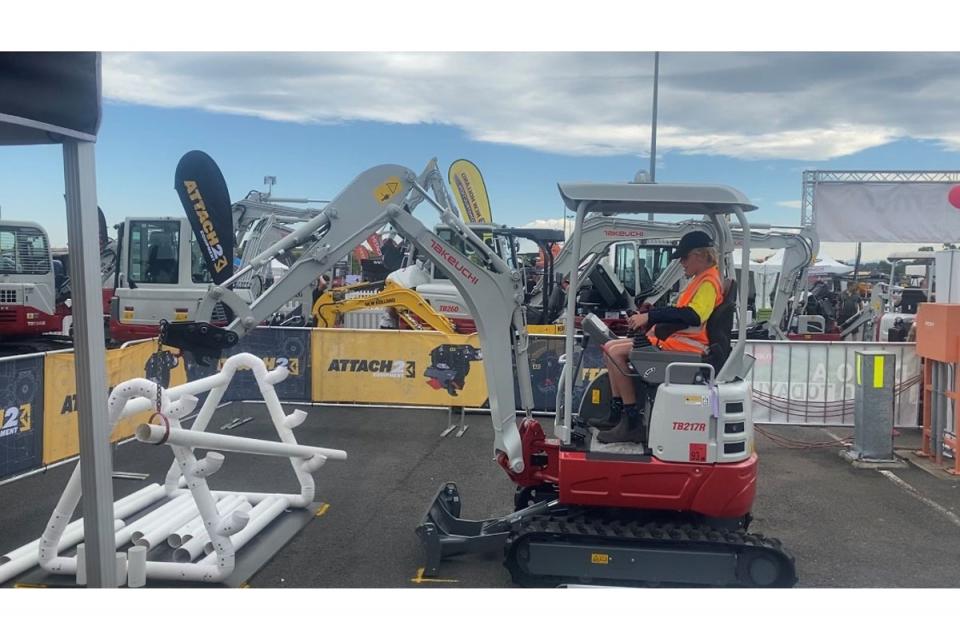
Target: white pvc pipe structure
158	434
227	531
190	550
195	525
260	516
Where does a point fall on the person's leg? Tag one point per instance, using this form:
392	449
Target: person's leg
616	379
618	358
629	428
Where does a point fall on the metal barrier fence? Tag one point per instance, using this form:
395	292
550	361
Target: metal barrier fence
812	382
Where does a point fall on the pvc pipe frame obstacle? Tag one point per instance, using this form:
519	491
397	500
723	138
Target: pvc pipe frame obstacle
191	514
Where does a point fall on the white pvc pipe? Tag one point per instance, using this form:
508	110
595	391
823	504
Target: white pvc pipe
194	547
81	564
260	516
229	525
186	532
140	404
149	433
31	548
138	500
157	516
158	533
137	566
121	567
27	555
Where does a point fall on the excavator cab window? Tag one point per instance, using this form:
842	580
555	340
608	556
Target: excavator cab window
625	266
154	252
24	251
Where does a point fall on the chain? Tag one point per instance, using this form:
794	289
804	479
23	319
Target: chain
160	339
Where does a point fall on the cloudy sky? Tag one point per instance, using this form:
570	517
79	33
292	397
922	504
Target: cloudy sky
752	120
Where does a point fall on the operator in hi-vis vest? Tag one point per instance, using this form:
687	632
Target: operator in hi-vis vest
680	328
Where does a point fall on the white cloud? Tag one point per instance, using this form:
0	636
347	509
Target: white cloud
809	106
791	203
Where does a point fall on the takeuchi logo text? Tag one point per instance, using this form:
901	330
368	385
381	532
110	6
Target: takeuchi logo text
454	262
623	233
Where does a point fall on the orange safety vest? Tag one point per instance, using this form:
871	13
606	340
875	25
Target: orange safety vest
694	338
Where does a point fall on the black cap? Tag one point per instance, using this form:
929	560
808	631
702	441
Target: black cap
694	239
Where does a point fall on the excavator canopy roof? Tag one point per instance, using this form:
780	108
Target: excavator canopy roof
686	199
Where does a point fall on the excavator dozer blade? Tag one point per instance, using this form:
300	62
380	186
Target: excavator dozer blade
442	533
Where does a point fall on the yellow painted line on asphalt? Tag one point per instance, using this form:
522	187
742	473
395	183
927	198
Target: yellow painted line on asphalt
419	579
28	586
322	510
245	586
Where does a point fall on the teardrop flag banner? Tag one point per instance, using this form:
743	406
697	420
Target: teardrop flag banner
470	192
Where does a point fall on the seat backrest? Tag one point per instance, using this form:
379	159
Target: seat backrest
720	325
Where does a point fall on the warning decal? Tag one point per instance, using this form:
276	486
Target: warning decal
698	452
388	189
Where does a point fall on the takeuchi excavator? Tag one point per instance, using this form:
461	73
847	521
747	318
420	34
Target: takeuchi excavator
641	267
673	510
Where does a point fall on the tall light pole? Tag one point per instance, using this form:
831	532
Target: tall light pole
653	126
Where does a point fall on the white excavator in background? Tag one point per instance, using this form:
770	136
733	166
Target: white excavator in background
161	273
35	294
893	303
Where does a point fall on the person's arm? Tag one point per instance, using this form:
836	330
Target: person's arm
692	315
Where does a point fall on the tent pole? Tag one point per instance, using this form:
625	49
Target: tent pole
90	362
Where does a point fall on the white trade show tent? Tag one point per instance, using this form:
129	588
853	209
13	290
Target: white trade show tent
826	265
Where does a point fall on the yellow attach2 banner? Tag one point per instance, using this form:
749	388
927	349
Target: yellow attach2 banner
470	191
409	367
61	438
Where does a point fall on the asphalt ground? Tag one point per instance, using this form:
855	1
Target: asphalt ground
846	527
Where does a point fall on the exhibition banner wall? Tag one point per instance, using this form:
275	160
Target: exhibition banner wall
21	399
59	390
407	367
875	212
289	347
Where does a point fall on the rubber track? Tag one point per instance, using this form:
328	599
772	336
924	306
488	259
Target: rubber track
589	527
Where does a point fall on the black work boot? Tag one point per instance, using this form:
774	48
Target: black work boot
612	419
629	430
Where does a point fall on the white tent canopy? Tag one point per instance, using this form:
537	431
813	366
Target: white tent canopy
770	265
764	275
826	265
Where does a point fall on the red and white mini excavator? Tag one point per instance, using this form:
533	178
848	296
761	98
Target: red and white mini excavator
672	509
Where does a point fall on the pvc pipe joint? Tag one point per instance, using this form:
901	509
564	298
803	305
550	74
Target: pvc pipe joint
208	465
295	419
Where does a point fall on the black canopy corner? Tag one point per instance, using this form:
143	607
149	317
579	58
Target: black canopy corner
47	97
